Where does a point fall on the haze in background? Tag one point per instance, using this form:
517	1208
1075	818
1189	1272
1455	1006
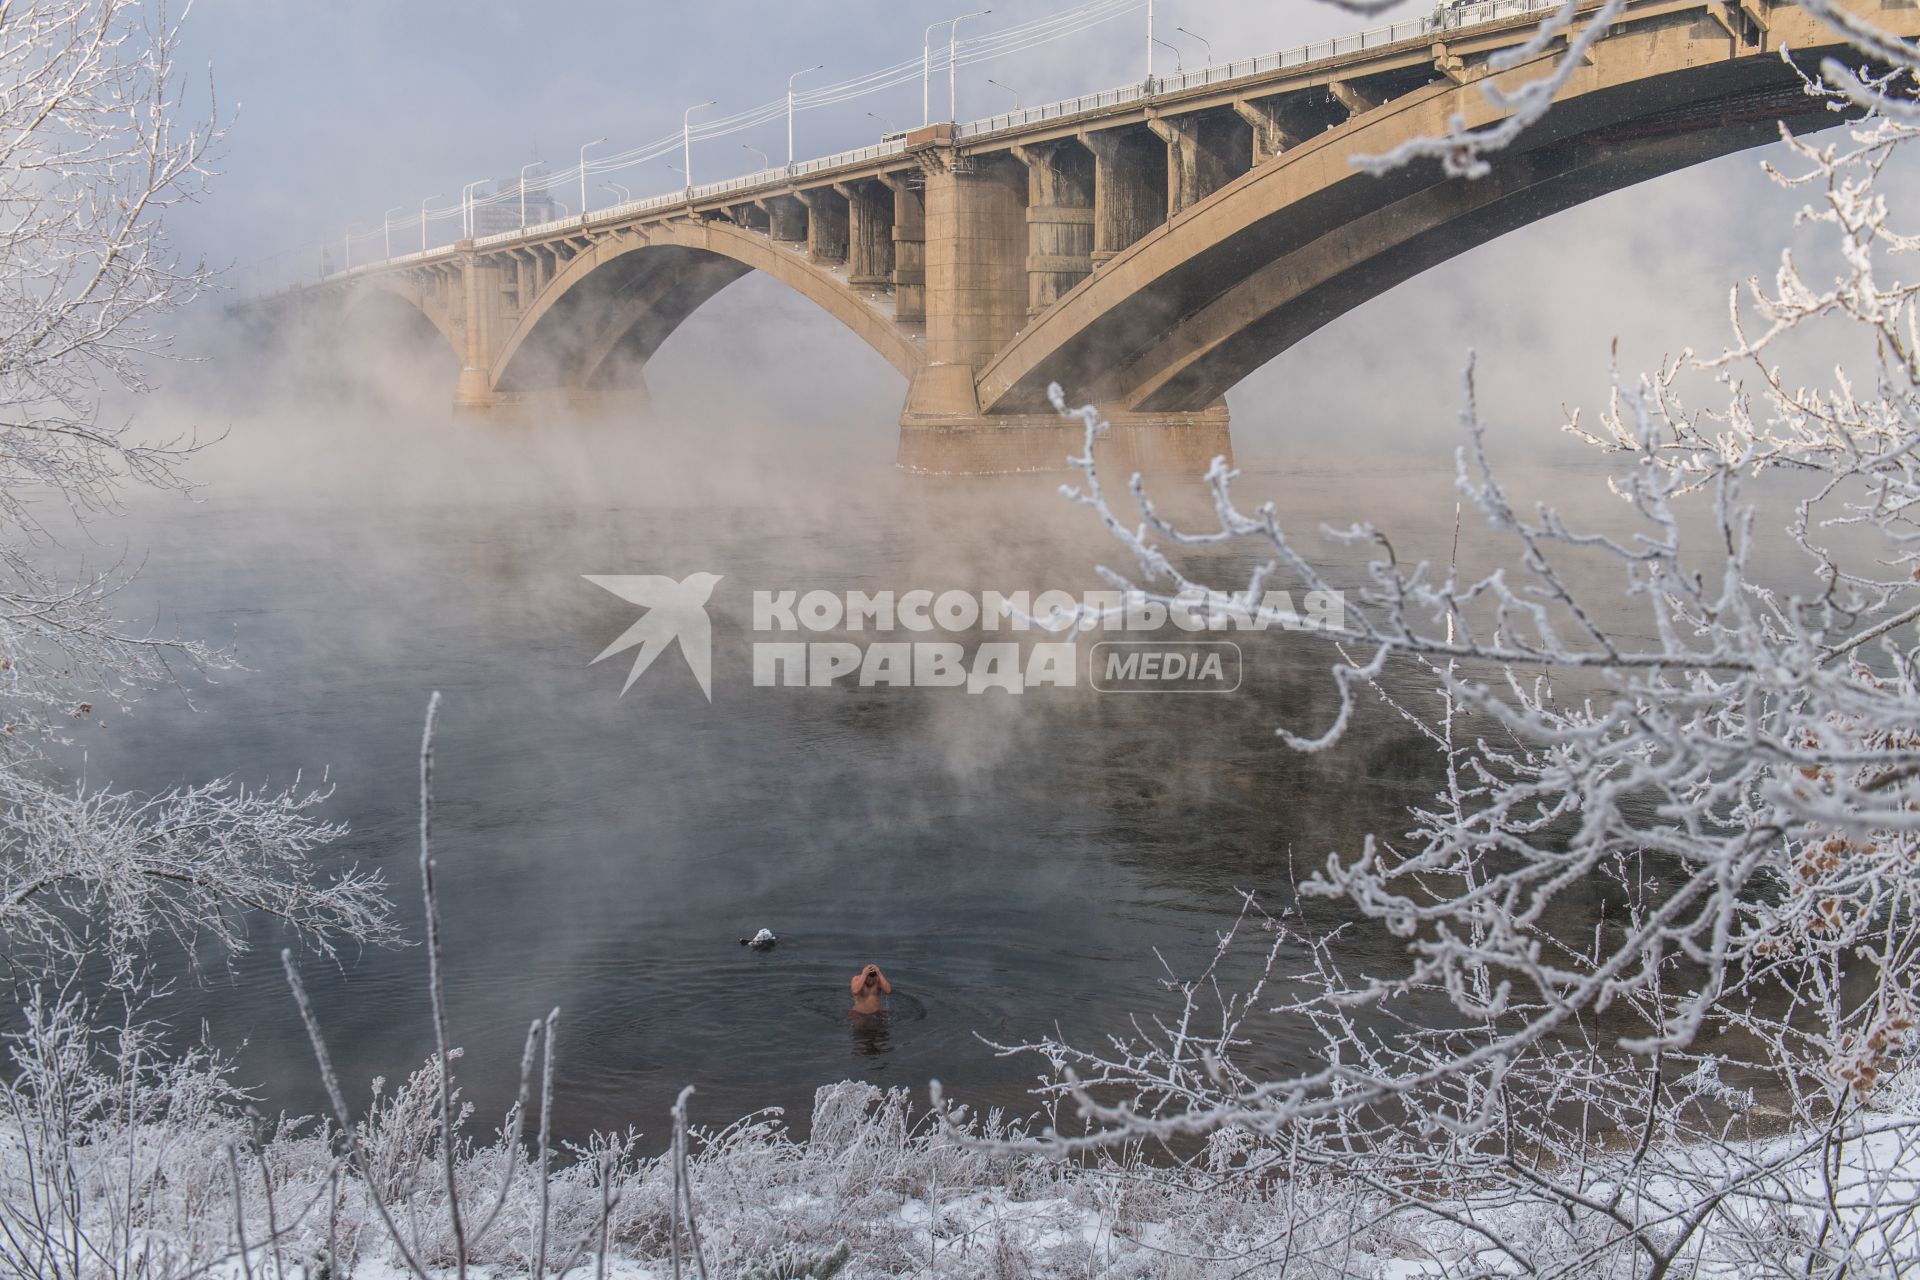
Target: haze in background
1009	861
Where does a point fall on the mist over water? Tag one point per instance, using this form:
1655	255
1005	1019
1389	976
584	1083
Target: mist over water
1018	865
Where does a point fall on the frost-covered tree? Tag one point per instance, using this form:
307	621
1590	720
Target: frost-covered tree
105	1132
96	147
1717	1075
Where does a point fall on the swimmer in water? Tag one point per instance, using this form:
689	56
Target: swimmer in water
868	986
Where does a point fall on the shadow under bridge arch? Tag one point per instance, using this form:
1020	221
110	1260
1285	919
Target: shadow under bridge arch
604	314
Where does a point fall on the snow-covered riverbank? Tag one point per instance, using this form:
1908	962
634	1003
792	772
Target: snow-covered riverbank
885	1194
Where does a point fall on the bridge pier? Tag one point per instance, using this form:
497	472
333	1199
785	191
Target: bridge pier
481	303
997	229
998	444
976	245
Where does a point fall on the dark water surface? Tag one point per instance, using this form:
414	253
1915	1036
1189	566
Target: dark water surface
1018	865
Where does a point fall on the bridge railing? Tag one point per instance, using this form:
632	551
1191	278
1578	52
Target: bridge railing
706	190
1449	18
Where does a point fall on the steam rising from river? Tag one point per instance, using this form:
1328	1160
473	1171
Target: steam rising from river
1010	860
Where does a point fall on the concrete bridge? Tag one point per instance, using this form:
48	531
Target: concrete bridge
1145	247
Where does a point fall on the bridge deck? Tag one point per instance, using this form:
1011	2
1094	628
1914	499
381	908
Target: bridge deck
1386	47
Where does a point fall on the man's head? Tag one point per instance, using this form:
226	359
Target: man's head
870	975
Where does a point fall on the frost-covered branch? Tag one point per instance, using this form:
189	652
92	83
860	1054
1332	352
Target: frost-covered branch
1717	749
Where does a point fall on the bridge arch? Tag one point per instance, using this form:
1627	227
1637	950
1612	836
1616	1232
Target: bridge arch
619	298
383	290
1230	282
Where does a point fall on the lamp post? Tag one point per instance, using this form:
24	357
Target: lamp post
466	207
423	220
790	79
583	173
386	228
1202	39
765	163
953	62
1150	43
1179	68
346	249
926	65
523	191
618	191
1009	88
886	125
686	144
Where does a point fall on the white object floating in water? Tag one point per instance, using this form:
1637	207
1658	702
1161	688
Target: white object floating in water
761	941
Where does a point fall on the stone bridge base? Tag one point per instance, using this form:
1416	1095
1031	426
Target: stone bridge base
943	432
995	445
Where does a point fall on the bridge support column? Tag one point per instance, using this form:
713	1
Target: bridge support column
522	281
869	234
826	226
480	305
1059	220
1356	98
976	258
976	290
1204	153
1270	134
786	218
1129	188
909	252
751	216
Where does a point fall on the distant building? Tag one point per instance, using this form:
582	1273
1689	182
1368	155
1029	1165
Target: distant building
504	214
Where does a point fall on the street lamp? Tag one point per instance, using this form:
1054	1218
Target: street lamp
953	62
523	191
1150	43
765	163
790	79
926	63
466	206
423	220
1178	68
885	124
686	144
1202	39
1009	88
386	228
619	191
583	174
346	249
